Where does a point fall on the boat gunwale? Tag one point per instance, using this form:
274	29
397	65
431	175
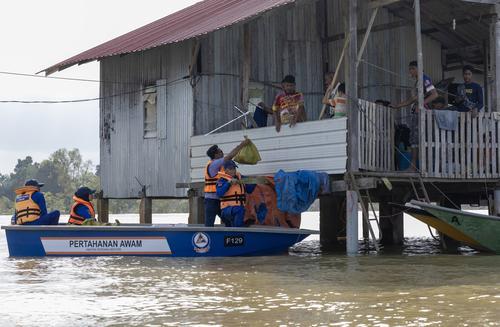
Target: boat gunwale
460	212
159	228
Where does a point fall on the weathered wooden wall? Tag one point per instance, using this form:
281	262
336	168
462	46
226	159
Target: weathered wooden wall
128	158
283	41
289	40
389	49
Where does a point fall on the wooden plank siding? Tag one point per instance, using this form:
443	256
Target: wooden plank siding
376	137
318	145
469	152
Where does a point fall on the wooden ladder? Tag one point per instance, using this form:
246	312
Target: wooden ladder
366	214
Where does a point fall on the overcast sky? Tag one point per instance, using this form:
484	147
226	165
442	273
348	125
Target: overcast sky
37	34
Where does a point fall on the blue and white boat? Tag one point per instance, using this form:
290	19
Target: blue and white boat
150	240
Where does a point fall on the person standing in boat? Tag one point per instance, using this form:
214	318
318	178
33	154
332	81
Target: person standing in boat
213	167
30	207
232	193
288	107
430	94
82	209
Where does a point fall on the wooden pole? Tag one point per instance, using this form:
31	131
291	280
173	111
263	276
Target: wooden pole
420	83
352	89
367	35
496	96
245	75
352	221
102	209
353	148
335	77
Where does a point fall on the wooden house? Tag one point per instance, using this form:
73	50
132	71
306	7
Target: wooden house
167	86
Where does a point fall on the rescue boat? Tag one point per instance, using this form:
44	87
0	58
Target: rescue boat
178	240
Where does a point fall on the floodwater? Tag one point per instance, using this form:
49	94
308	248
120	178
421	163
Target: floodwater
418	287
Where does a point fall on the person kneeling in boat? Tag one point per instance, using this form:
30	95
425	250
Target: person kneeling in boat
232	192
30	207
82	209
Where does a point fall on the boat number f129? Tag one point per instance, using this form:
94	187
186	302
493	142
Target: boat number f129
231	241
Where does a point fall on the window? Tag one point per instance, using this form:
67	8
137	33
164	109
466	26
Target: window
150	112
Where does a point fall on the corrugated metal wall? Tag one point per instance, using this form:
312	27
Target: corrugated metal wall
287	40
127	158
390	49
284	41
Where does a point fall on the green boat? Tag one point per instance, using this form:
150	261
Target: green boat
481	232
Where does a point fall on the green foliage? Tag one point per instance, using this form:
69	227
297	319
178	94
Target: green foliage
63	172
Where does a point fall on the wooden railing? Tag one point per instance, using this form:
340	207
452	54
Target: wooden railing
376	137
470	151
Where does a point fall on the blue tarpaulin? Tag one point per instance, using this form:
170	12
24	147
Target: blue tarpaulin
296	191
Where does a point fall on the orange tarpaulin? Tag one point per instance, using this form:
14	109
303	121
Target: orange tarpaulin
264	198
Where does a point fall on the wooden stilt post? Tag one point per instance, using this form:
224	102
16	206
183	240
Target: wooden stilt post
420	83
496	200
391	223
102	208
332	222
196	208
352	222
145	209
366	217
353	146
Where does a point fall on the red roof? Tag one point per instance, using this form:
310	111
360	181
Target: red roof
201	18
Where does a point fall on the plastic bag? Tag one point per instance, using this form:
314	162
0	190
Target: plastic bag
249	155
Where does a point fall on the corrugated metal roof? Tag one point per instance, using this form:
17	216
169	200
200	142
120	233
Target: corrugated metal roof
201	18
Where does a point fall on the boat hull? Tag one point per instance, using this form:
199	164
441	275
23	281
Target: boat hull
152	240
478	231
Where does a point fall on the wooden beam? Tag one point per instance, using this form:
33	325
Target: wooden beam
362	184
367	35
352	90
246	69
420	83
376	28
381	3
353	147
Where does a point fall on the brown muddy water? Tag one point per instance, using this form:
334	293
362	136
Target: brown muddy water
416	287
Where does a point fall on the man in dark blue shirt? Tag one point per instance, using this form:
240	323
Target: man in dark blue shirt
470	94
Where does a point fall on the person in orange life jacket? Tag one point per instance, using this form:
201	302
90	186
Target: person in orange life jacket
232	192
82	209
288	106
214	165
30	207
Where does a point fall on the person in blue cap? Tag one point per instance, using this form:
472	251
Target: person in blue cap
82	209
30	207
232	193
213	167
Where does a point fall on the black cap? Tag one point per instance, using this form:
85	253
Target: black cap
289	79
33	182
212	151
413	63
84	192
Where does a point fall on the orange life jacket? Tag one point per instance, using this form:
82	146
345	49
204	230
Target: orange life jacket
26	209
211	182
235	195
74	218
